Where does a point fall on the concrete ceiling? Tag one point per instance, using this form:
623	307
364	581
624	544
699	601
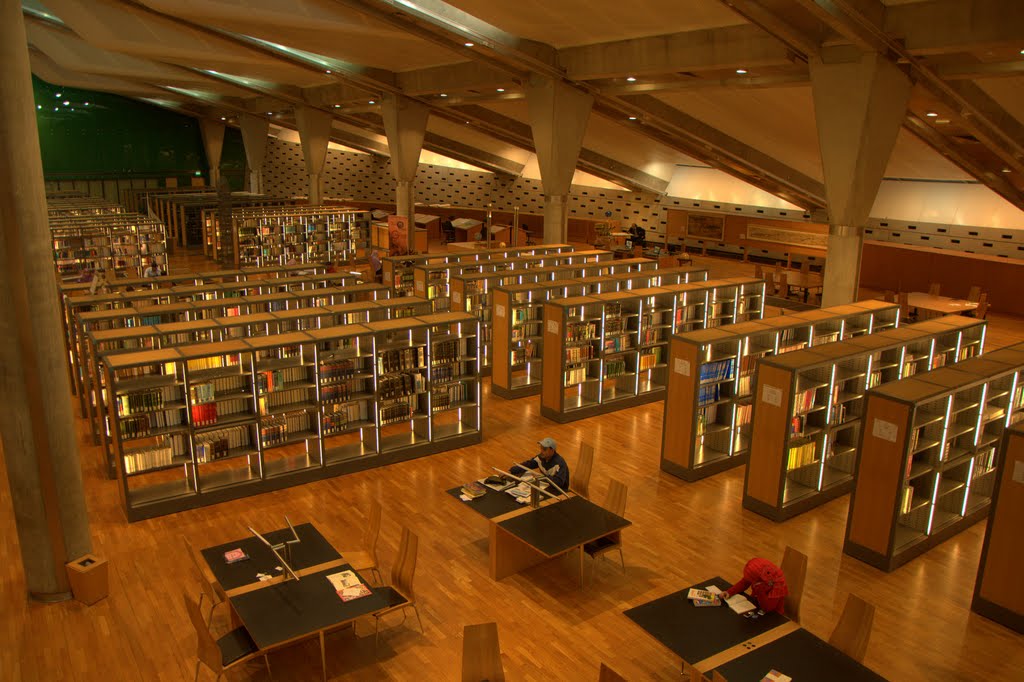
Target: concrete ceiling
670	64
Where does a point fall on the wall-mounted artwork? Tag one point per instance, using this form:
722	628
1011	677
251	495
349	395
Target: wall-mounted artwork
705	226
808	240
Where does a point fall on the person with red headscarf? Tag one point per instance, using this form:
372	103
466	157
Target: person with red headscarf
766	582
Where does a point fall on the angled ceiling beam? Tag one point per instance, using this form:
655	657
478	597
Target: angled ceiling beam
725	152
453	78
711	49
948	26
798	75
802	38
979	70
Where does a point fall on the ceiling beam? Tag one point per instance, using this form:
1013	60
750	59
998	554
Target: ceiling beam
798	75
453	78
803	38
949	26
979	70
712	49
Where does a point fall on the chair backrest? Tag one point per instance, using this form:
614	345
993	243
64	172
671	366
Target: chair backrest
794	567
579	483
609	675
758	271
207	649
615	500
805	267
404	570
974	294
904	300
206	580
784	284
372	530
853	630
934	288
982	310
481	653
983	297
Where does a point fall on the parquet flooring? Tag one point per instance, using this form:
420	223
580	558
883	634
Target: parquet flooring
682	533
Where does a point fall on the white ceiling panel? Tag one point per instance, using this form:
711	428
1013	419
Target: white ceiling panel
913	159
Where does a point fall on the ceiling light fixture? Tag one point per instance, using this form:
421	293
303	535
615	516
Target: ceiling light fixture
931	114
66	103
444	94
1006	170
501	89
270	113
372	101
39	106
223	118
86	104
741	71
327	71
468	44
631	79
632	118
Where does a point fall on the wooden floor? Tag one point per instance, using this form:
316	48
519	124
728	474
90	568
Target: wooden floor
682	533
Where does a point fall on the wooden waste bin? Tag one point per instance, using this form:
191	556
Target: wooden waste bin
88	577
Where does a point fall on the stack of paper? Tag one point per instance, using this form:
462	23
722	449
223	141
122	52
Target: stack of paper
348	586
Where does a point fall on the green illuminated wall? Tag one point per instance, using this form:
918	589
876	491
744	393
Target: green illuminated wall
84	134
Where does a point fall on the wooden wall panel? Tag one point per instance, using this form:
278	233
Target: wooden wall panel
770	424
736	230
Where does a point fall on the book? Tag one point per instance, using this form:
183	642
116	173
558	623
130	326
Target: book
740	604
776	676
473	489
703	597
233	556
344	579
354	592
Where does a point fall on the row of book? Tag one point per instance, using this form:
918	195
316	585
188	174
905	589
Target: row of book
343	392
522	355
272	380
401	385
800	456
575	375
649	337
161	454
275	430
520	333
718	371
336	370
442	397
448	373
447	352
342	415
218	444
526	314
146	401
615	344
614	368
141	426
212	362
400	359
803	401
298	397
398	411
708	393
651	358
581	331
575	354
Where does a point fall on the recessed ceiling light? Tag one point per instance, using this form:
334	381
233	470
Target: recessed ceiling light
56	109
631	79
372	101
444	94
632	118
270	113
327	71
1006	170
223	118
741	71
39	106
66	103
931	114
86	104
501	89
467	122
468	44
58	95
1022	51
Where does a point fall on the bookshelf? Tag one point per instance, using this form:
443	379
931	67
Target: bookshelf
120	243
306	234
197	425
808	406
928	454
708	404
518	309
997	592
398	270
609	351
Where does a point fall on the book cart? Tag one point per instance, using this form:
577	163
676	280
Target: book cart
106	342
808	406
609	351
997	592
518	344
398	270
709	400
197	425
928	454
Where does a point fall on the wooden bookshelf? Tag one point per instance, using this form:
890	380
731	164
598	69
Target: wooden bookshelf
197	425
119	243
609	351
708	404
306	234
927	456
808	406
998	593
517	342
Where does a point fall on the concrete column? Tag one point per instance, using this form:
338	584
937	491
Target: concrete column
558	120
254	139
38	435
860	101
314	133
405	123
213	143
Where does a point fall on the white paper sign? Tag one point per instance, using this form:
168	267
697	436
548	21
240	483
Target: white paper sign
1018	472
884	430
456	298
682	367
772	395
552	326
499	310
419	286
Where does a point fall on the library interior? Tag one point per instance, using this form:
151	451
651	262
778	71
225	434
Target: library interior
467	340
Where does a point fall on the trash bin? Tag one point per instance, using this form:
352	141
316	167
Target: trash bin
88	578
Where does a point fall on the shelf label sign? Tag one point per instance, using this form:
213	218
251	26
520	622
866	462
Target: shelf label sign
772	395
456	298
552	326
682	367
499	310
419	286
884	430
1018	471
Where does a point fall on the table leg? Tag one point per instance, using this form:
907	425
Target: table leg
509	554
323	656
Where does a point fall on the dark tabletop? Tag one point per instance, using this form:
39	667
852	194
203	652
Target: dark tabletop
491	504
311	551
294	608
800	655
697	632
559	526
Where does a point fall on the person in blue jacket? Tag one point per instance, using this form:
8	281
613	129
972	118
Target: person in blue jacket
547	463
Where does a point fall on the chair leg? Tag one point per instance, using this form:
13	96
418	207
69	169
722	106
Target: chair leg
376	635
266	660
196	678
418	620
623	560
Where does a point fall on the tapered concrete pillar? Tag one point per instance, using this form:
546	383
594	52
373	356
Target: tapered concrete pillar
213	144
39	444
254	139
558	119
860	101
314	133
405	123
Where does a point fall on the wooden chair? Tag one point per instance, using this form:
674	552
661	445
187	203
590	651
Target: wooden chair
399	594
579	482
365	559
982	310
609	675
758	271
934	288
974	294
794	567
853	630
783	286
615	502
211	589
219	655
481	654
905	313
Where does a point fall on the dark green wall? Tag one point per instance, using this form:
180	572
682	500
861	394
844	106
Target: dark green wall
99	135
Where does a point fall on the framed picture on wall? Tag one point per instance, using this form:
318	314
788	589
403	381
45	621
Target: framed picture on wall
705	226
